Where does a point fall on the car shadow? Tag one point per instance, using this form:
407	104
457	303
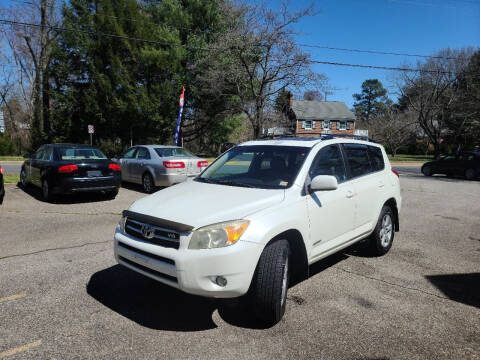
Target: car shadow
138	188
463	288
161	307
67	199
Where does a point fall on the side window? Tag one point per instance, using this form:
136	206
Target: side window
143	153
47	154
39	154
329	161
357	159
129	154
376	158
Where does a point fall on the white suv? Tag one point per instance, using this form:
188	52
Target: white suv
255	219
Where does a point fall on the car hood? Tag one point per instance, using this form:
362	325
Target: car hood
199	204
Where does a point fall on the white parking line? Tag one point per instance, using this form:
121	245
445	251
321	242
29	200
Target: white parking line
13	297
20	349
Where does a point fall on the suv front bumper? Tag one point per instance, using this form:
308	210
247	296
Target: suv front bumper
192	271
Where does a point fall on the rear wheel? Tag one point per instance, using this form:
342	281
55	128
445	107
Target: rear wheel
470	174
427	171
382	237
46	191
270	283
147	182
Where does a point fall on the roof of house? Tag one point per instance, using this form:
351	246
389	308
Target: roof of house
321	110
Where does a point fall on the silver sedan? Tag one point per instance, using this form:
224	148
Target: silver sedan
159	165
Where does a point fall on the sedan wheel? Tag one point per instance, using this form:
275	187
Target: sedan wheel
427	171
23	178
47	196
470	174
147	182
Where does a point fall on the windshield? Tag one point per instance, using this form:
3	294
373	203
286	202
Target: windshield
75	153
165	152
268	167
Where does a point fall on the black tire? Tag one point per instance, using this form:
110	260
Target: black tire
147	182
46	191
270	283
470	174
111	194
381	240
427	171
23	178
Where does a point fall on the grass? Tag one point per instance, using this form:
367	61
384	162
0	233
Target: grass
11	178
410	158
11	158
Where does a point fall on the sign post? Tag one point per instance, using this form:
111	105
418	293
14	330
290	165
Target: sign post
179	119
91	131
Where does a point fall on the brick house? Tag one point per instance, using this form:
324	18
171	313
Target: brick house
314	118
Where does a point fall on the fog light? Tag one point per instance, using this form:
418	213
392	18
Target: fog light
221	281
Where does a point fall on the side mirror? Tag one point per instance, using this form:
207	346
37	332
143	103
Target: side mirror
323	182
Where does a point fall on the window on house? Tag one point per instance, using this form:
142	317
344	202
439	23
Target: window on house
308	125
325	124
342	125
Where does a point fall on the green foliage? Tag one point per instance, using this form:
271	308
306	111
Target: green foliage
6	145
371	101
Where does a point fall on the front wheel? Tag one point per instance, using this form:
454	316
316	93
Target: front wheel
427	171
23	178
270	283
470	174
382	237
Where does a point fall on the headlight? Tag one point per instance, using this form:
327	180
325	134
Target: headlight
218	235
122	222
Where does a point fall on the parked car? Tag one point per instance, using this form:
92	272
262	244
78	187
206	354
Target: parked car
159	165
259	216
70	168
466	164
2	187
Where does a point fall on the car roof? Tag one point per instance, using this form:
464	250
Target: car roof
159	146
306	142
71	145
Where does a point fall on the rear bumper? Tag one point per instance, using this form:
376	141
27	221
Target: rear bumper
170	179
96	184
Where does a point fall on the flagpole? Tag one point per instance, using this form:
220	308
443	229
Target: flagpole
179	119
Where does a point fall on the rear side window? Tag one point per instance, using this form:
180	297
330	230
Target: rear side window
47	154
143	153
357	159
376	158
129	154
329	161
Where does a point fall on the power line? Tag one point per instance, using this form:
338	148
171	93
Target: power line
11	22
378	52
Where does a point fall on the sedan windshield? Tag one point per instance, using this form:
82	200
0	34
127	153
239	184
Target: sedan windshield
166	152
75	153
268	167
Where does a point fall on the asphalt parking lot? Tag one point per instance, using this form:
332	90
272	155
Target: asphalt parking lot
62	296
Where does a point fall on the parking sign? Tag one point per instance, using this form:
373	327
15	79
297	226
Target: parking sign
90	129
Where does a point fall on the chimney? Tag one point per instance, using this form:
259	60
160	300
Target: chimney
290	100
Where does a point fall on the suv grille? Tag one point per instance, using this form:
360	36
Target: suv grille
162	237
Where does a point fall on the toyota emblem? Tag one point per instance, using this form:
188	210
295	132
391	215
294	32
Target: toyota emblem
148	231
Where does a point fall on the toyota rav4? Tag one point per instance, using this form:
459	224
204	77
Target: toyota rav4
259	215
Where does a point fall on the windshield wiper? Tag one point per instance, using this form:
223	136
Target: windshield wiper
205	180
233	183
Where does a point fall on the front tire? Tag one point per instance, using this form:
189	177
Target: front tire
427	171
147	182
23	178
270	283
382	237
470	174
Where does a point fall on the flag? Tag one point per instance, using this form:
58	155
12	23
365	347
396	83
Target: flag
179	119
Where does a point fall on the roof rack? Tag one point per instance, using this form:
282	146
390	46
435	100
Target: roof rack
349	136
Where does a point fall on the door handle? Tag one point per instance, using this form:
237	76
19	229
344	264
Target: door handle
381	184
350	194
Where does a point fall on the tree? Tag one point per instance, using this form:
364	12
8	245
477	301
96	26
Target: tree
314	95
371	101
432	92
263	59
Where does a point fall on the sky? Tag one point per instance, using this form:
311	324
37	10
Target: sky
401	26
